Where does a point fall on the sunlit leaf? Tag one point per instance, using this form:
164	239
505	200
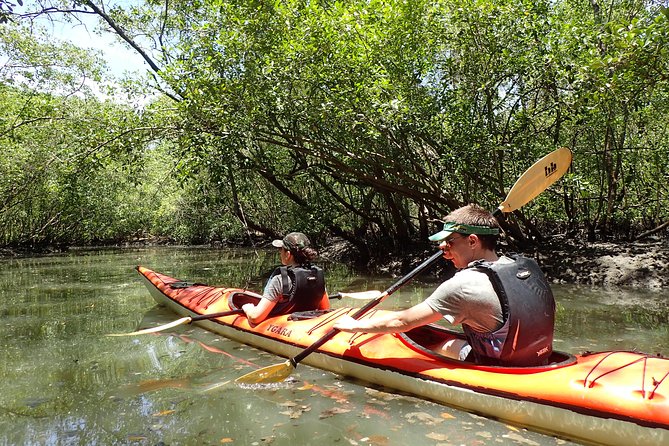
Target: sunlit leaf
423	418
436	436
376	440
334	411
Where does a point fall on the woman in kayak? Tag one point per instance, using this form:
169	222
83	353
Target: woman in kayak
295	286
504	304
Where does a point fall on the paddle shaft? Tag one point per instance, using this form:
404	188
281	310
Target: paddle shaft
400	283
203	317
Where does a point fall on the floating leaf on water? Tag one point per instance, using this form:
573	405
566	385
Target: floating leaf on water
483	434
378	440
423	418
436	436
368	411
296	412
385	396
331	412
333	392
518	438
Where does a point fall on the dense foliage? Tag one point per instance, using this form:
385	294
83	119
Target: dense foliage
367	120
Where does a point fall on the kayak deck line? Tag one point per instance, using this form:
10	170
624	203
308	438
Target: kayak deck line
644	358
612	398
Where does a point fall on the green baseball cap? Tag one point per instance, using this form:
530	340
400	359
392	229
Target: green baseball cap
460	228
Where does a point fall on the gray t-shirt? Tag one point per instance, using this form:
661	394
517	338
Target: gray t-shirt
274	289
469	298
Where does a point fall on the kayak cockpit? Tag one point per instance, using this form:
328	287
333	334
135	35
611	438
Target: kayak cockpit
241	297
421	338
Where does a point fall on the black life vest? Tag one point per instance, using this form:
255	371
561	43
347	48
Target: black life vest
303	288
528	307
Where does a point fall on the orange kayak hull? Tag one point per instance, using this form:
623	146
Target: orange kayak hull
613	398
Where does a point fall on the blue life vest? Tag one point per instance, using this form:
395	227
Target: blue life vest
303	288
528	308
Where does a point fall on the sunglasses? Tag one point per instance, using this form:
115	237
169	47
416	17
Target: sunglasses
449	242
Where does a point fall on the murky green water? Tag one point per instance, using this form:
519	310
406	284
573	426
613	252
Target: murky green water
64	382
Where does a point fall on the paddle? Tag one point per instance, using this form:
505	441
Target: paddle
183	320
363	295
535	180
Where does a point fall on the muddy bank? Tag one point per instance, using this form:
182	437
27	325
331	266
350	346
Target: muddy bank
642	264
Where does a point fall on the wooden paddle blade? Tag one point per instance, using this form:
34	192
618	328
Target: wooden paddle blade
183	320
362	295
272	374
536	179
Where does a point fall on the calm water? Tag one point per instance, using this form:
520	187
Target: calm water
64	382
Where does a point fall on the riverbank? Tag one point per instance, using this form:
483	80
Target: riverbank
640	264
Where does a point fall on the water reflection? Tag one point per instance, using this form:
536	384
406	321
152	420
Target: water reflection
64	382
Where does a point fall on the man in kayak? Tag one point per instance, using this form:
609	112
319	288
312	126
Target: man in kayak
504	304
295	286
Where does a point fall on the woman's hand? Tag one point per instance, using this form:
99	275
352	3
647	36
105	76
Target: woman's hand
246	308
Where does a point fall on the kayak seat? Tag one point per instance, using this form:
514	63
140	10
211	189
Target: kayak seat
238	298
421	338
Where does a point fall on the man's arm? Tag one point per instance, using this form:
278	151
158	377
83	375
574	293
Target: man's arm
394	322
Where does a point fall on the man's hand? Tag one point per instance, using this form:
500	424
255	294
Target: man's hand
346	323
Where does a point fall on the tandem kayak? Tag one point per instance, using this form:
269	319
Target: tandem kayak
612	398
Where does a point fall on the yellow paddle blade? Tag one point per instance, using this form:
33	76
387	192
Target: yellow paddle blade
363	295
183	320
272	374
537	178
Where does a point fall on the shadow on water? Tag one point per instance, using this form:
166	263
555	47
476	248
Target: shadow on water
65	382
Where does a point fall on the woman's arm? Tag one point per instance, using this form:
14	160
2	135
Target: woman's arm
257	313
